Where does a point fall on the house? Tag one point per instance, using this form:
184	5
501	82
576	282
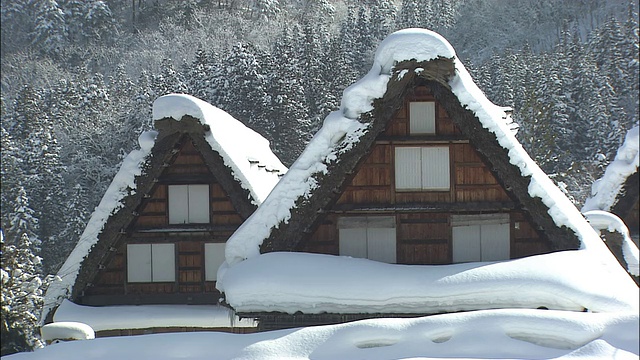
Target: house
613	207
416	168
159	233
618	189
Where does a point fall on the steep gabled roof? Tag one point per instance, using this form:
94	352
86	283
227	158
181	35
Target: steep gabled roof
404	60
617	190
238	157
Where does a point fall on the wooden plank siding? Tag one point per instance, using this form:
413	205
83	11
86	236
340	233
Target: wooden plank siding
151	225
423	224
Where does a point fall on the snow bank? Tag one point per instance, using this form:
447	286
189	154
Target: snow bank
122	185
605	190
491	334
421	45
243	150
313	283
67	331
149	316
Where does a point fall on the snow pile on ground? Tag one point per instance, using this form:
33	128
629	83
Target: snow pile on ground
149	316
507	334
314	283
67	331
605	190
603	220
243	150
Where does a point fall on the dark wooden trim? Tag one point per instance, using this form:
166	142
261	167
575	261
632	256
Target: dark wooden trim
151	299
436	207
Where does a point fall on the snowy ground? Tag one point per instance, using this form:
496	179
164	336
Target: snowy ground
498	334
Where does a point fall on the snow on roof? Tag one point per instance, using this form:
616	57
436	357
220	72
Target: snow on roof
605	190
243	150
148	316
314	283
341	129
604	220
489	334
122	185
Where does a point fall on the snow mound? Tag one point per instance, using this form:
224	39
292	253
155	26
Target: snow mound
489	334
149	316
67	331
314	283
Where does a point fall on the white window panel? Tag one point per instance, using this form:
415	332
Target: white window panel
178	204
138	263
466	243
213	258
435	168
381	244
353	242
422	117
408	168
495	241
481	237
163	262
198	204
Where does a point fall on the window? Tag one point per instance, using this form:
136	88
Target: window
188	204
422	117
422	168
151	263
368	237
213	258
480	237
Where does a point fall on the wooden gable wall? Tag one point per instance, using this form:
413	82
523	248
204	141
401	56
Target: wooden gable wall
423	218
150	225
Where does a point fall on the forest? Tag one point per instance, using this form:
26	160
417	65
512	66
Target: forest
79	78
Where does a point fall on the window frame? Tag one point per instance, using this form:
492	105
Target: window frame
185	204
406	178
151	273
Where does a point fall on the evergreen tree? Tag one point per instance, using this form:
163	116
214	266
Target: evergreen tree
50	29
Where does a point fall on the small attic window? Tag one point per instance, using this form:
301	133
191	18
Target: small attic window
151	263
189	204
422	117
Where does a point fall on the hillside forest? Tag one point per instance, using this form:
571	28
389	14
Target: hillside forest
79	78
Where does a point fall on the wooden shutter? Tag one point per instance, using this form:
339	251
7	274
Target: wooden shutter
435	168
138	263
178	204
408	168
198	204
466	243
353	242
381	244
495	241
422	117
213	258
163	262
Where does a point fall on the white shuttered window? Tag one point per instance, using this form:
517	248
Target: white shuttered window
371	237
151	263
189	204
481	237
422	117
422	168
213	258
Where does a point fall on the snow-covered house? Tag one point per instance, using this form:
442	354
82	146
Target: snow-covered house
158	235
614	205
416	168
618	191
